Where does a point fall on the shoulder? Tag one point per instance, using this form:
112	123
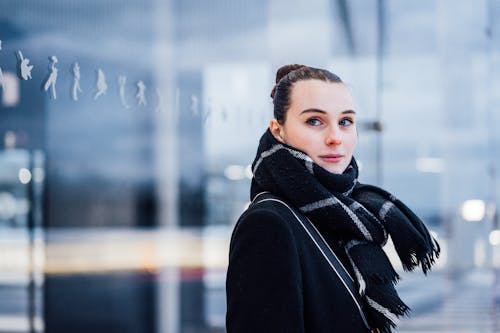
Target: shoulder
269	208
267	219
272	212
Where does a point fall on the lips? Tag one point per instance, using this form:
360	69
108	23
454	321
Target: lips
332	158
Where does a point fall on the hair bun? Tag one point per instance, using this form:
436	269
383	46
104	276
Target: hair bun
282	71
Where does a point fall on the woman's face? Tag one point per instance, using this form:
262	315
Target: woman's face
321	122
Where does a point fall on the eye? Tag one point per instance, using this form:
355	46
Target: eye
314	121
346	122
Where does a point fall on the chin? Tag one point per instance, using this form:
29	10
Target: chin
337	169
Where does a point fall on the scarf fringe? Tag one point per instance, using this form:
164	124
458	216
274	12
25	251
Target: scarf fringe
414	244
385	317
424	259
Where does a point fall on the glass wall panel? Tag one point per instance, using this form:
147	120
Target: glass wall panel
127	130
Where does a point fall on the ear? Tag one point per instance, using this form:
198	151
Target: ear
276	130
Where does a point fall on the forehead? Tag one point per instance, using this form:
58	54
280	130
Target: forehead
322	95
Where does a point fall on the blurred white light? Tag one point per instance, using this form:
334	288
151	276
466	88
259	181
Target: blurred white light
473	210
430	164
248	171
495	237
7	206
9	140
24	176
234	172
10	96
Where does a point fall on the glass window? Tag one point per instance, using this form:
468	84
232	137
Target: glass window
127	130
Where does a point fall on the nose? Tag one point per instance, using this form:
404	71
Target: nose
333	137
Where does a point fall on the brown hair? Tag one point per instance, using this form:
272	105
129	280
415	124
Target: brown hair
286	76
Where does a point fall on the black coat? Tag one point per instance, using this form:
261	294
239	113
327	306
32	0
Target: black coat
278	280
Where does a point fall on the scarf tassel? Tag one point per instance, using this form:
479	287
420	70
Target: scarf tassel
373	263
427	260
424	258
385	317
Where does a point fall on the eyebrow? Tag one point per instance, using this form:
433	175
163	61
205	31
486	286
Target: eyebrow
322	111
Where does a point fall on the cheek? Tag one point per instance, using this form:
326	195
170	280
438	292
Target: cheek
298	140
307	142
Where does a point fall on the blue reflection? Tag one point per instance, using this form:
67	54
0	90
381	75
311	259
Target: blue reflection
117	198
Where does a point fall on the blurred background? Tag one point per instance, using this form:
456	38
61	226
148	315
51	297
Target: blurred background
125	149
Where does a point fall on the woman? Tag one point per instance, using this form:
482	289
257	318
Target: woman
306	256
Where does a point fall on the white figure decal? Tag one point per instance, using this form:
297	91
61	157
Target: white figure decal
102	86
1	74
194	105
122	79
25	66
141	93
52	79
160	101
76	81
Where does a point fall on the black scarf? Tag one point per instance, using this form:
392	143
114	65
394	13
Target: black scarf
362	215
